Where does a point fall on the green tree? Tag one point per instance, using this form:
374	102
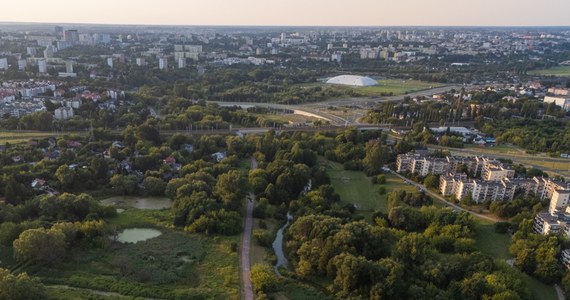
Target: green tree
40	246
124	184
20	286
431	181
231	187
376	157
263	278
154	186
65	176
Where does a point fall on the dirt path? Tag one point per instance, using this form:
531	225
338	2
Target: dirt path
94	292
246	244
559	292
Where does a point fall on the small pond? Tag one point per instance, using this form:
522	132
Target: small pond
134	235
139	202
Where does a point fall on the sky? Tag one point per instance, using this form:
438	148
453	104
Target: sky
292	12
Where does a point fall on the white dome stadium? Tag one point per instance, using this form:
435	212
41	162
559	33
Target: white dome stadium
352	80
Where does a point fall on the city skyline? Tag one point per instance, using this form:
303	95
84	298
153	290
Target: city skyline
294	13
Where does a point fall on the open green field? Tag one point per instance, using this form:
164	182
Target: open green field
19	136
490	242
556	71
357	188
174	265
279	119
385	86
501	149
296	290
539	290
497	246
397	87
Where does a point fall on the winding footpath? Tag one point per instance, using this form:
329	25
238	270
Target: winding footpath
246	244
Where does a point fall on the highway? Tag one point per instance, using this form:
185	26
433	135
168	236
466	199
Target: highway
315	109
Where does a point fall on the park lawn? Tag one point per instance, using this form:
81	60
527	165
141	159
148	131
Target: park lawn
133	217
260	254
18	136
279	119
555	71
562	167
60	293
489	242
502	149
291	289
357	188
497	246
385	86
244	164
539	290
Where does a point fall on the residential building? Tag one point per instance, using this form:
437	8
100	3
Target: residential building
496	172
558	201
449	183
550	186
163	63
421	165
187	51
493	191
42	66
464	188
565	258
545	223
3	63
22	64
562	101
181	62
69	67
63	113
31	51
71	35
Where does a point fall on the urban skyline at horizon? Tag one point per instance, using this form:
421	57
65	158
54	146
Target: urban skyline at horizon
360	13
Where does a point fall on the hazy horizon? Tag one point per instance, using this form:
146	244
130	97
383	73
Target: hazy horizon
355	13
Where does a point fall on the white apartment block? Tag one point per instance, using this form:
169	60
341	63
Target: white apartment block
3	63
448	184
63	113
421	165
559	201
492	172
565	258
187	51
163	63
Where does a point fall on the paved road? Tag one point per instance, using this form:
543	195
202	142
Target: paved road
312	109
439	197
527	160
369	101
246	244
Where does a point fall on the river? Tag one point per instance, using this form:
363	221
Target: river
278	247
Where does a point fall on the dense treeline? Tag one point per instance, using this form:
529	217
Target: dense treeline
414	251
537	135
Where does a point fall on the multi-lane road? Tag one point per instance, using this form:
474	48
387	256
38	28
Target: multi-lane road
314	109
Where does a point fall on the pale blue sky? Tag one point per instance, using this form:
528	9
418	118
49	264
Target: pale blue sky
292	12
